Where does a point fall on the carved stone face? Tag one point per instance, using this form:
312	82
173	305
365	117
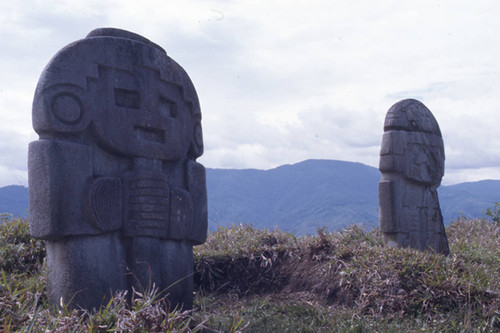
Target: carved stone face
141	115
412	144
424	164
130	97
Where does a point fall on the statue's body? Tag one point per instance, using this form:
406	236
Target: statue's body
114	185
412	166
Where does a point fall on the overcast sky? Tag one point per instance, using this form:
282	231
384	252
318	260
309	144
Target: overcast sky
284	81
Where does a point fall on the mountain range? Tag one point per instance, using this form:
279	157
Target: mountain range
304	196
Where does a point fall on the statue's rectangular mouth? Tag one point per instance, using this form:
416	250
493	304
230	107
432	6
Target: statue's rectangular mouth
149	134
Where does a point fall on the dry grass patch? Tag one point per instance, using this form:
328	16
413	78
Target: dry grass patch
351	269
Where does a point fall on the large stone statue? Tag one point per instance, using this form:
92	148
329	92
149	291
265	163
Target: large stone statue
114	186
412	166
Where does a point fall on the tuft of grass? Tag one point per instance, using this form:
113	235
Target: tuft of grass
21	310
24	306
242	259
19	252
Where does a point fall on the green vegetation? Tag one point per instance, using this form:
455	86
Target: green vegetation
494	213
253	280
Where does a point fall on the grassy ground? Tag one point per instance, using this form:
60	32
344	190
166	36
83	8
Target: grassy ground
254	280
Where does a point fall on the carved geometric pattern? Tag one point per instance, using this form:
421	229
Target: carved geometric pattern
106	203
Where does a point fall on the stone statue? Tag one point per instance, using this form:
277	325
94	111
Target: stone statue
114	186
412	166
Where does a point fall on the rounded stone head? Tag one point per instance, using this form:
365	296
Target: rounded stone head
412	143
122	92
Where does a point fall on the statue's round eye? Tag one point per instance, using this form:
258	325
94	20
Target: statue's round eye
67	108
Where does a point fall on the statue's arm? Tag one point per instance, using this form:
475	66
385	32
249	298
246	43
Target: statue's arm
198	189
385	197
64	197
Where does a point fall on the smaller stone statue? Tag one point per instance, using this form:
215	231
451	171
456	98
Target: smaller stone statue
412	166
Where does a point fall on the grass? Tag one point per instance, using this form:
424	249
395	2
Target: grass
253	280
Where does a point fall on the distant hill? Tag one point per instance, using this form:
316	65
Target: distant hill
315	193
468	199
303	196
299	197
14	200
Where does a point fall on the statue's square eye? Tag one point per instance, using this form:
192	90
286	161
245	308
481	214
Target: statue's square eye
127	98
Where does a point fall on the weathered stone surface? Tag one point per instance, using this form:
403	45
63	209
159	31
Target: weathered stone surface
412	166
114	185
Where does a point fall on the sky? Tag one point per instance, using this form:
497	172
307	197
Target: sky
280	82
